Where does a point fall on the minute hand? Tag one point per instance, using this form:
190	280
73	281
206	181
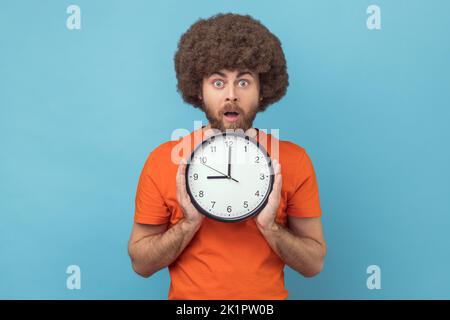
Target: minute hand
229	161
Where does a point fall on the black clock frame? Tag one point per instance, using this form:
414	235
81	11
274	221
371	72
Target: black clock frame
263	203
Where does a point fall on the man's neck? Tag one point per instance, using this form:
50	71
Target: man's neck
208	126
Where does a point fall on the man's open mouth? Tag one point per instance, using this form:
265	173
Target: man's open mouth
231	116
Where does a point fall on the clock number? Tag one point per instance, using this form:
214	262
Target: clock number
213	203
229	143
257	193
200	193
261	176
245	147
203	159
245	204
229	209
195	176
213	148
257	159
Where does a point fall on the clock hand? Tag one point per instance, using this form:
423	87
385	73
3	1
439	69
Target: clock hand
224	175
221	177
229	165
229	161
215	170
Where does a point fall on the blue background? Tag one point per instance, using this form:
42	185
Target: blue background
80	110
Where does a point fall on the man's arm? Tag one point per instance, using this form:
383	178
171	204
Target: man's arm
301	246
153	247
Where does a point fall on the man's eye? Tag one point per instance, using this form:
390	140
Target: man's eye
243	83
218	83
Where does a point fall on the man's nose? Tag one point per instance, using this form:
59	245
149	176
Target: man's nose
231	95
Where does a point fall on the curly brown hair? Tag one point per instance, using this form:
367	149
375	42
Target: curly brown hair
233	42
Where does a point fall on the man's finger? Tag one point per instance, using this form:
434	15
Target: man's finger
180	178
276	191
277	169
183	192
210	132
251	133
275	166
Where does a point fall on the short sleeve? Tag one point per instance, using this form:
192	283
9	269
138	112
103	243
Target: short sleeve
304	201
150	207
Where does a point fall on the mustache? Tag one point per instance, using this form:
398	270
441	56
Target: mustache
231	107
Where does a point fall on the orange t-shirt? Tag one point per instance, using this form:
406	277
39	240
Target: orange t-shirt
226	260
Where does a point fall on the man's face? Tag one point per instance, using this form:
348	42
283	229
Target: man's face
230	99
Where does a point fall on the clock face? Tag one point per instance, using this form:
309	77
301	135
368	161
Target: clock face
229	177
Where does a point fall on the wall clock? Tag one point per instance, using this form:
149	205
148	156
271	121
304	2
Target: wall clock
229	177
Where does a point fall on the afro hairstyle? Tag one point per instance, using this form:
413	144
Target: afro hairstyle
233	42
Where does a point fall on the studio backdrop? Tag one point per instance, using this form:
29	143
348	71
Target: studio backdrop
88	90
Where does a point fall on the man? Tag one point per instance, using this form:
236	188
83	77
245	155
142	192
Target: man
231	67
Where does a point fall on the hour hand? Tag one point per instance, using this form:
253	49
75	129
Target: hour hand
216	177
223	174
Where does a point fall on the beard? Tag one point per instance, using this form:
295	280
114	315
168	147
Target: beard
244	121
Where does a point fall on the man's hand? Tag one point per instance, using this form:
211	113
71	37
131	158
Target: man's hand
153	247
191	214
265	220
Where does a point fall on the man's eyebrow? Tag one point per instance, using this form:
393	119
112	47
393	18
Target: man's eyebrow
240	74
218	73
